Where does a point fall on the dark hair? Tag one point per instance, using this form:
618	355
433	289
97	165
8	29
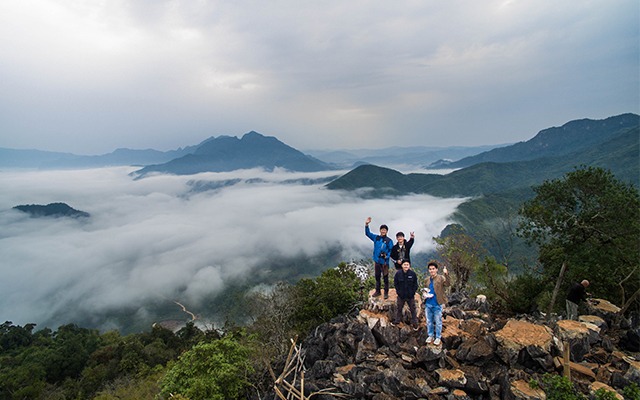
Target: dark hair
384	227
404	260
435	264
399	234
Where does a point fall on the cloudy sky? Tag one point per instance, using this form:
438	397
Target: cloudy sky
89	77
151	240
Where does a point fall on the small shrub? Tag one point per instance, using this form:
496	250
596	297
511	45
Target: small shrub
558	387
631	392
604	394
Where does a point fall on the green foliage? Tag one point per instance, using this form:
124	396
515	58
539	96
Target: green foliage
505	291
74	362
604	394
558	387
631	392
333	293
215	371
591	221
461	253
272	314
131	388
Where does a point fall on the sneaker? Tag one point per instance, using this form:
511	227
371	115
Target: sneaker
394	323
376	294
430	340
414	326
437	342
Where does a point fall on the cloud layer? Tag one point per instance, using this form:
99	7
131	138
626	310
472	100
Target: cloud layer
91	77
152	240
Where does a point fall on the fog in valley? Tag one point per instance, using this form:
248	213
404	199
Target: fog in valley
157	240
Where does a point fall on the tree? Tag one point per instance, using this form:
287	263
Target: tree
213	371
590	222
333	293
461	253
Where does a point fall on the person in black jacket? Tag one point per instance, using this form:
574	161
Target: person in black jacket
577	293
400	250
406	284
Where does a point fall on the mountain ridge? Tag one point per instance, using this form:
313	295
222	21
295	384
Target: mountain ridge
556	141
227	153
620	153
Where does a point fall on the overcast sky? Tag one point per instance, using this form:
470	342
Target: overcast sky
90	76
149	240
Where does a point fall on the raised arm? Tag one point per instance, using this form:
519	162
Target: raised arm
447	281
367	231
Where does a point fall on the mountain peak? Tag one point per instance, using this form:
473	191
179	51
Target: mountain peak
228	153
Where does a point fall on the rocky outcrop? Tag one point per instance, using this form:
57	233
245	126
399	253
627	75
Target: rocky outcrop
481	357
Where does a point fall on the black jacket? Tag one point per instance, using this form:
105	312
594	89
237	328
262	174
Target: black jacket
397	257
406	284
577	293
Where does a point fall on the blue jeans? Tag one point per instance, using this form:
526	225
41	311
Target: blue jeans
434	319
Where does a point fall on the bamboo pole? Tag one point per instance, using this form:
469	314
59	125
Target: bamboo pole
567	359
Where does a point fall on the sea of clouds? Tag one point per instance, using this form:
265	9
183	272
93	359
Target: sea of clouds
156	239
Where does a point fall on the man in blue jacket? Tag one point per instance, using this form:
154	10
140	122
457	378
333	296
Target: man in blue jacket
406	283
382	246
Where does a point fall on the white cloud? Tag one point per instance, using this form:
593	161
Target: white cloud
153	240
91	77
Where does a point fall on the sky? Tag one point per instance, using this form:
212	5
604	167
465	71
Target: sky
90	77
154	240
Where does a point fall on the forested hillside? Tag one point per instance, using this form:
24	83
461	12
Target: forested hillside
557	141
496	190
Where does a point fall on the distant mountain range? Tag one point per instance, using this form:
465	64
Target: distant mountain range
17	158
419	156
226	153
497	188
611	143
582	138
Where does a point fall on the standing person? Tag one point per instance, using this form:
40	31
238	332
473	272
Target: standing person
577	292
382	246
406	283
435	299
400	250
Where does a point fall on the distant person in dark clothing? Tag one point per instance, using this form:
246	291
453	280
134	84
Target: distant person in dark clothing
577	293
401	250
406	283
382	246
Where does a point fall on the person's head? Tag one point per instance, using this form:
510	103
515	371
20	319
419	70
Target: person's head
585	283
433	268
383	230
406	265
400	237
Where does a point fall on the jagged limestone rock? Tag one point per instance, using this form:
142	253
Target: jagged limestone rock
519	341
520	390
366	357
580	336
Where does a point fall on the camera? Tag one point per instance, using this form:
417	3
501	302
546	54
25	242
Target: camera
383	254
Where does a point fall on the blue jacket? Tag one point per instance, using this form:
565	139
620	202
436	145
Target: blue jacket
380	245
406	283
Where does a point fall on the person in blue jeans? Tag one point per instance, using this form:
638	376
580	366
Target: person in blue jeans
435	298
382	246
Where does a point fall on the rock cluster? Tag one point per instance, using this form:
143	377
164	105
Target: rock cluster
482	357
